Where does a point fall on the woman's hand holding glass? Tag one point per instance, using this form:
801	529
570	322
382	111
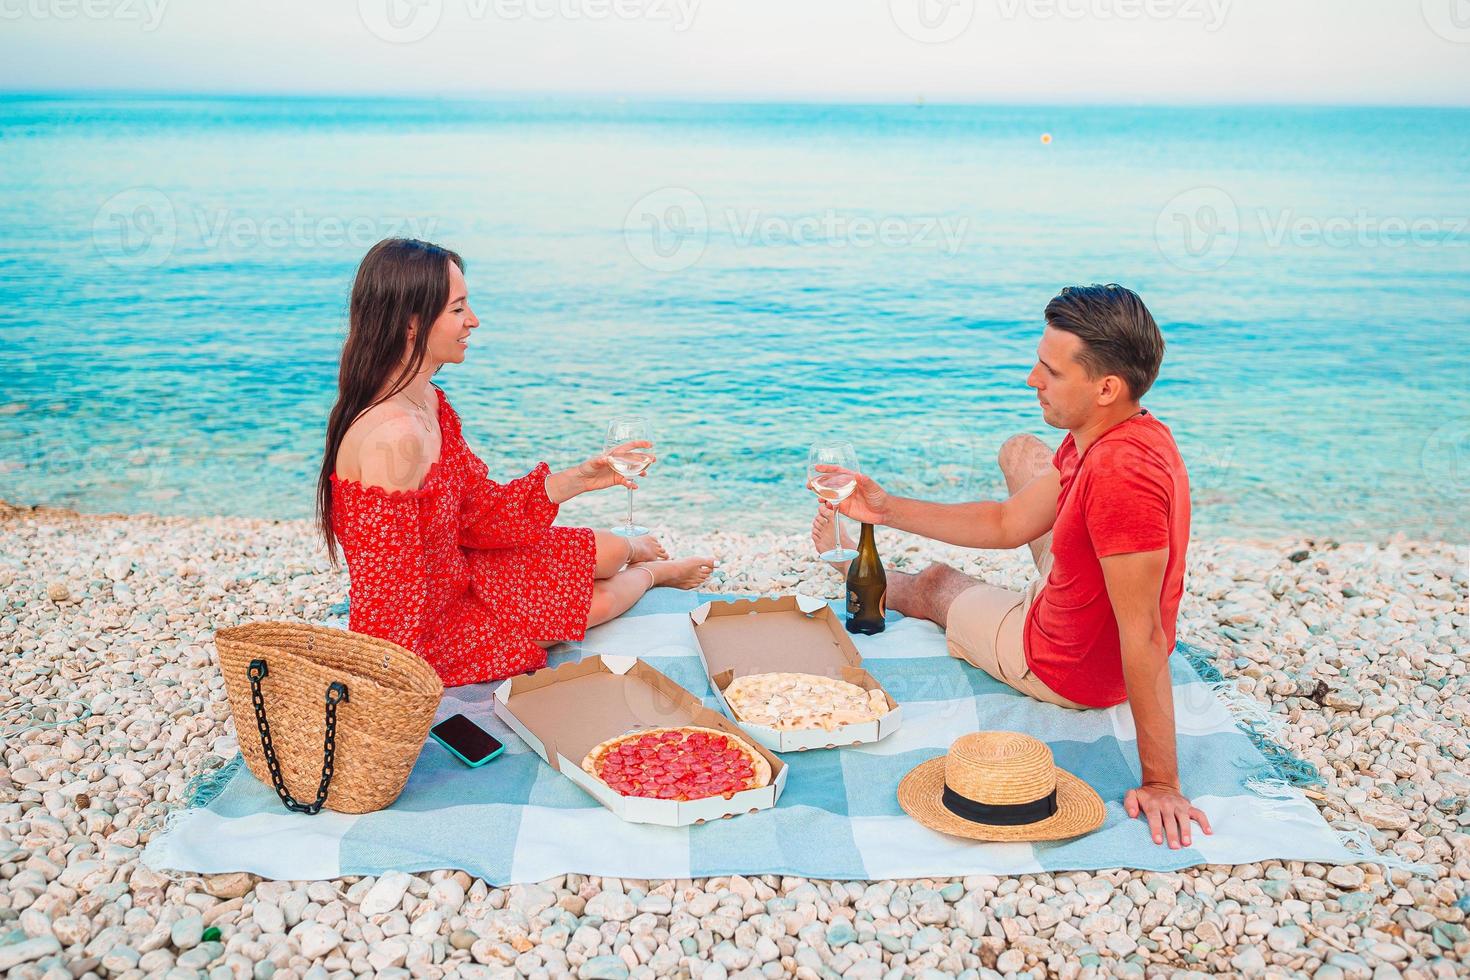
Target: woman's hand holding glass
617	466
628	443
609	469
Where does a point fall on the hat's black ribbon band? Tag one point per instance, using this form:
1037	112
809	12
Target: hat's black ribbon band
1000	814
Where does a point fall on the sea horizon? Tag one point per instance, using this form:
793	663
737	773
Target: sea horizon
735	99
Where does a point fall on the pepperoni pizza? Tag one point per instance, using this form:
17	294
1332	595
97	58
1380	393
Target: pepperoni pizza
688	763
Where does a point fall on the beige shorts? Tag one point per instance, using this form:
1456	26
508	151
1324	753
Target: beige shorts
986	627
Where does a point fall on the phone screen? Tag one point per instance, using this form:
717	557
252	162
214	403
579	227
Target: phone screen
471	741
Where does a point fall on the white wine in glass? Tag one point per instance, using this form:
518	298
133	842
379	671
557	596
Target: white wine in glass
833	487
629	462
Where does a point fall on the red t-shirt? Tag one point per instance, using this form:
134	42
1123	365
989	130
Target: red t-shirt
1129	492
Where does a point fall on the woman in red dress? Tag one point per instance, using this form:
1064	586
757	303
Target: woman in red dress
468	573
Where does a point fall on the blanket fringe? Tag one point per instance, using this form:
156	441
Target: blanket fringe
1277	798
1256	721
201	790
210	783
26	717
1278	784
1273	788
1358	838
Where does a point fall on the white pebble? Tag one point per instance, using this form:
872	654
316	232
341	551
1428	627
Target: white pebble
385	894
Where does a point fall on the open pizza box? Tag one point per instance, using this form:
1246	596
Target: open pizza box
786	634
566	711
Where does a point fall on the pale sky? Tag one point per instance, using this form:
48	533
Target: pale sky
1314	51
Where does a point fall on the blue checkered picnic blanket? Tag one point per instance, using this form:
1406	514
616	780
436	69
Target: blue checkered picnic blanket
517	820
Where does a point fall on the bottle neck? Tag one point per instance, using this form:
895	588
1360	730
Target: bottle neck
865	537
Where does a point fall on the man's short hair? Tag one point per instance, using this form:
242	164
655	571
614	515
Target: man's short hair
1118	334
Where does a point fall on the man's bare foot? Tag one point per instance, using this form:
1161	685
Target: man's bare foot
646	548
822	537
679	573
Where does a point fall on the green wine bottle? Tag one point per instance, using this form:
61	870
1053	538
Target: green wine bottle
867	588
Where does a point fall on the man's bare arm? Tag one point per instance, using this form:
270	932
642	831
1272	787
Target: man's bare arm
1011	523
1134	582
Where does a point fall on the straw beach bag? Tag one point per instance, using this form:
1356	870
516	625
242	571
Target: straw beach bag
328	716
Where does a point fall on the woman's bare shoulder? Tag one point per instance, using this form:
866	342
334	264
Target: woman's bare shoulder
387	447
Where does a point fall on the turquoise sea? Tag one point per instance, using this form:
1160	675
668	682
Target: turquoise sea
174	275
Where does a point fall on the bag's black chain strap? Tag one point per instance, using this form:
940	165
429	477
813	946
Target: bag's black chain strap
336	694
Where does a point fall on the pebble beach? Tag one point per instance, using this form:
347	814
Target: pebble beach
112	702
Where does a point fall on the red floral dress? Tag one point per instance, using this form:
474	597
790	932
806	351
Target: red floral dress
463	571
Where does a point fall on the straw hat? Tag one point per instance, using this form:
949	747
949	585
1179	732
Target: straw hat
1000	786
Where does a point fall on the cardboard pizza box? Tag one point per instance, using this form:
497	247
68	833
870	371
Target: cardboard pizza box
564	712
786	634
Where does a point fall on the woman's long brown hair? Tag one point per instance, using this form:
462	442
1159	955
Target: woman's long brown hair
401	282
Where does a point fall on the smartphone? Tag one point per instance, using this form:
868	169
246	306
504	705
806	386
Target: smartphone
469	743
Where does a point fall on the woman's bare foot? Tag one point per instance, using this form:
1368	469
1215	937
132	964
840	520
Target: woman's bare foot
822	537
679	573
646	548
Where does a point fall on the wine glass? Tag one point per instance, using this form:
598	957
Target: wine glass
833	487
629	462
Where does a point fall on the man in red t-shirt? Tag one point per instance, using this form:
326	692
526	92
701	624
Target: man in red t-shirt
1107	519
